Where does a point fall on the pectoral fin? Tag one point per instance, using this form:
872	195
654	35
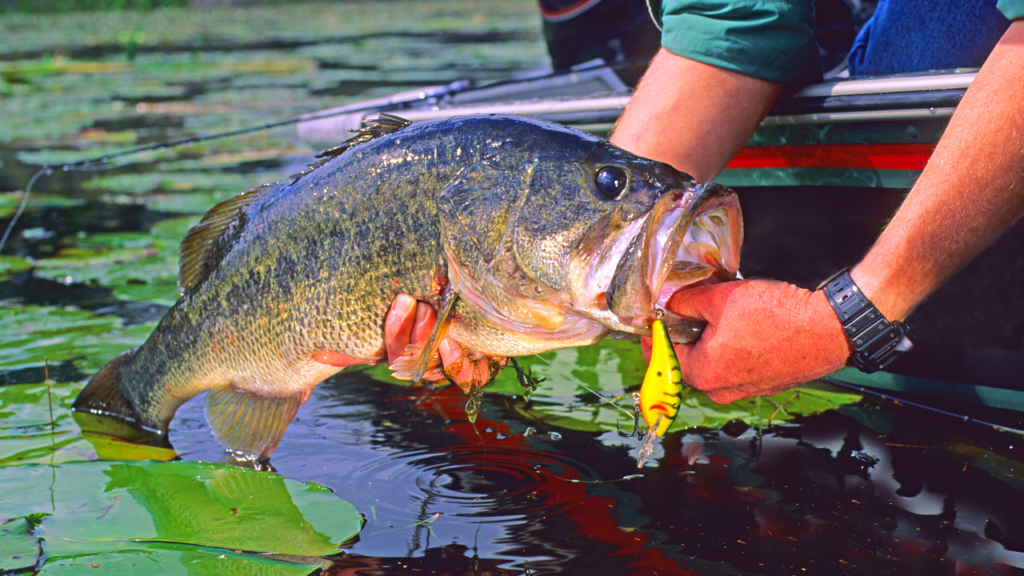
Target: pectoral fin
444	321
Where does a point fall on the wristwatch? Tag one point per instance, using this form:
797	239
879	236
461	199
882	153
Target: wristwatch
876	341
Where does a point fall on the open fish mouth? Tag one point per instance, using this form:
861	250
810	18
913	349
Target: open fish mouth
690	237
707	251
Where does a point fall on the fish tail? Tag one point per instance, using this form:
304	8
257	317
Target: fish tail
102	397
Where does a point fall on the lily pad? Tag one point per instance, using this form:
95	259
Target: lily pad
19	549
176	517
590	389
28	436
11	265
138	267
29	335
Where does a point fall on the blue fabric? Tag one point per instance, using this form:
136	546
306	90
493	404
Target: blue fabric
920	35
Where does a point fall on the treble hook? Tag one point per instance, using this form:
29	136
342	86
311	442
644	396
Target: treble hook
636	419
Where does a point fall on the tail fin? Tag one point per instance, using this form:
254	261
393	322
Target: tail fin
101	397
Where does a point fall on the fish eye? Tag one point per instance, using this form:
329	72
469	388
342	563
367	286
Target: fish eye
611	181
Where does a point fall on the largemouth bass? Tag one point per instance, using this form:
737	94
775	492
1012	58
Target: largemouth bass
525	235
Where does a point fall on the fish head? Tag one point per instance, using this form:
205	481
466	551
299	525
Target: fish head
585	237
661	233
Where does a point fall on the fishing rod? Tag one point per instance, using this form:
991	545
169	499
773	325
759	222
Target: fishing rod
405	100
901	401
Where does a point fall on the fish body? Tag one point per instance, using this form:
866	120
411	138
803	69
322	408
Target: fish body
529	235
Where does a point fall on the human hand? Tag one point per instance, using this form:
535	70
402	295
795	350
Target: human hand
406	328
762	337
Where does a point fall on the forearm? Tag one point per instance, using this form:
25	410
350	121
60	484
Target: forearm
693	116
970	192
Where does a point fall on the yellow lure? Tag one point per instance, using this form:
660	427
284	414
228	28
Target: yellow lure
661	392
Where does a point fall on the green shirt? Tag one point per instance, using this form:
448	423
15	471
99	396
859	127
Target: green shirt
1012	9
768	39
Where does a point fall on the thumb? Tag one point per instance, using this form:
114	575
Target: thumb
701	302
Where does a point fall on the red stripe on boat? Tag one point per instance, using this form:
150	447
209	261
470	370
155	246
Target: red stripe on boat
859	156
567	12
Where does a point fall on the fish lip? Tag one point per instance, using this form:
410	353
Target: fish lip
699	225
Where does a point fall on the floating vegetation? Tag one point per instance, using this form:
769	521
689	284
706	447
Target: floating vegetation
158	517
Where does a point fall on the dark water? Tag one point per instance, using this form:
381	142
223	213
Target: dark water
871	487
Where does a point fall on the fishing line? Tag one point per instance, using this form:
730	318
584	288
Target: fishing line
21	207
103	162
585	387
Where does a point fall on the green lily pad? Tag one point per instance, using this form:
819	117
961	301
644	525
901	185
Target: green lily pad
172	182
19	549
30	335
28	436
11	265
176	517
614	369
138	267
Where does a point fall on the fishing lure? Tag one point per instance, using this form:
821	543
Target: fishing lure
662	390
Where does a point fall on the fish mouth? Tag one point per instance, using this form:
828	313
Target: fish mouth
707	251
690	237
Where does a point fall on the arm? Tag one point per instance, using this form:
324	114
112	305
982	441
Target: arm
969	193
765	336
692	115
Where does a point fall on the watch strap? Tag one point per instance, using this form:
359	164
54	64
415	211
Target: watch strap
876	341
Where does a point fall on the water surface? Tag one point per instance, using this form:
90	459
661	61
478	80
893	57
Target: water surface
532	486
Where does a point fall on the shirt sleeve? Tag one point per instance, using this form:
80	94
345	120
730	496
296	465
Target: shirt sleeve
768	39
1012	9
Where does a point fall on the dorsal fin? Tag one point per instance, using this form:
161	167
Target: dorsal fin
200	250
384	124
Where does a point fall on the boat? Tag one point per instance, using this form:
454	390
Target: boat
817	181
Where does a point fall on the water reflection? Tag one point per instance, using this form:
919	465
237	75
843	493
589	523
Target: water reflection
871	490
863	490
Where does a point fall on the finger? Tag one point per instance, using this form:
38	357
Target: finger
701	302
645	349
424	323
398	326
457	366
727	396
686	369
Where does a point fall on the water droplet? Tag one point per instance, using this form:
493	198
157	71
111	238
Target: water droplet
65	167
473	404
500	436
554	436
489	430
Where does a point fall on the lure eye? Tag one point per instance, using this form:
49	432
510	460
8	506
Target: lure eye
611	181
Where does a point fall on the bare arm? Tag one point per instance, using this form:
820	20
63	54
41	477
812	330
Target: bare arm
692	115
970	192
764	336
